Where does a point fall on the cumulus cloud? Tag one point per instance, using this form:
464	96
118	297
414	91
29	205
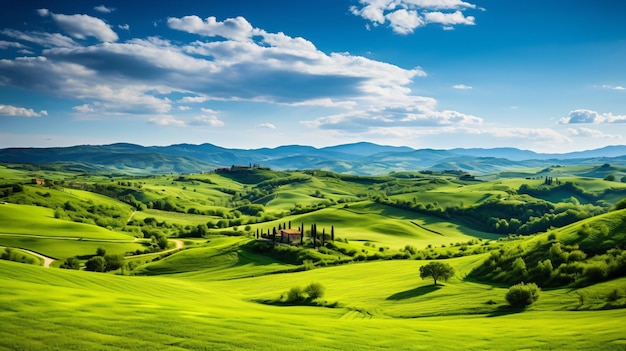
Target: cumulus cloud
591	117
166	121
409	112
403	21
85	108
266	126
203	120
139	75
449	19
232	28
8	110
123	26
591	133
104	9
82	26
462	87
404	16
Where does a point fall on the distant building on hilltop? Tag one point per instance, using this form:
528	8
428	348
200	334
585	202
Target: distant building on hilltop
238	168
291	236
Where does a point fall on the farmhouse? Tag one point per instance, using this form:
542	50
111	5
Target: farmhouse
38	181
290	236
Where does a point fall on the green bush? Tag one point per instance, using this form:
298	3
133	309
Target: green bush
96	264
295	294
522	294
314	291
71	263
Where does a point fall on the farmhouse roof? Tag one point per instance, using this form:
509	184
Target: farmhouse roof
290	231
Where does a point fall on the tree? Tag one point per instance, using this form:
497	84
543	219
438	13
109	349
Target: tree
437	271
71	263
314	291
522	295
96	264
113	262
101	251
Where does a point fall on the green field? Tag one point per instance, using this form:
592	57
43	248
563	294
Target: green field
226	289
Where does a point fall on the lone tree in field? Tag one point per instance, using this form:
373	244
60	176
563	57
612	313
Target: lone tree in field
437	271
522	295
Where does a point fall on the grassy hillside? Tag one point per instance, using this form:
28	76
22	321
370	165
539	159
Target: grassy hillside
365	239
95	311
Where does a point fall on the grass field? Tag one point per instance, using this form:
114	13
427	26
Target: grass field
95	311
35	220
221	292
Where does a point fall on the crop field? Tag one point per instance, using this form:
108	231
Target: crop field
196	262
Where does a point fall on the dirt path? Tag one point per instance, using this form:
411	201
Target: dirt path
131	216
47	261
179	245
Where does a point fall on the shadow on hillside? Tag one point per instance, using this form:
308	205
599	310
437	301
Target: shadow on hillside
419	291
505	310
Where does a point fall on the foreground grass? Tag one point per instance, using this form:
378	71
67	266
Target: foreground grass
72	310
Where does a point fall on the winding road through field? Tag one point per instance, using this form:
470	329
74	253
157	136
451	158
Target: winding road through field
47	261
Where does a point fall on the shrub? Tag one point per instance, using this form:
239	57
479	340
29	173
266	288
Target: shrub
71	263
522	294
295	294
96	264
596	272
314	291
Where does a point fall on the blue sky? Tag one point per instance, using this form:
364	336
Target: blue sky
548	76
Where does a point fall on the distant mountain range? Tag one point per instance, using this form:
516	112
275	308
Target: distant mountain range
358	158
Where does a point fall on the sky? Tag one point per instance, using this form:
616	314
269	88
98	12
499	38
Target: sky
547	76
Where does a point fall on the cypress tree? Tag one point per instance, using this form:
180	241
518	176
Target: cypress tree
332	233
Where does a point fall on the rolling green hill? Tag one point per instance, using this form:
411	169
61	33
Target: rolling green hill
194	261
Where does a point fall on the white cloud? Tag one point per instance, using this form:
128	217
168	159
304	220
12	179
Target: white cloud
83	26
591	117
404	16
184	108
232	28
208	111
83	108
139	75
266	126
49	40
212	121
614	87
403	21
166	120
8	110
10	44
591	133
462	87
408	112
193	99
43	12
123	26
449	19
104	9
